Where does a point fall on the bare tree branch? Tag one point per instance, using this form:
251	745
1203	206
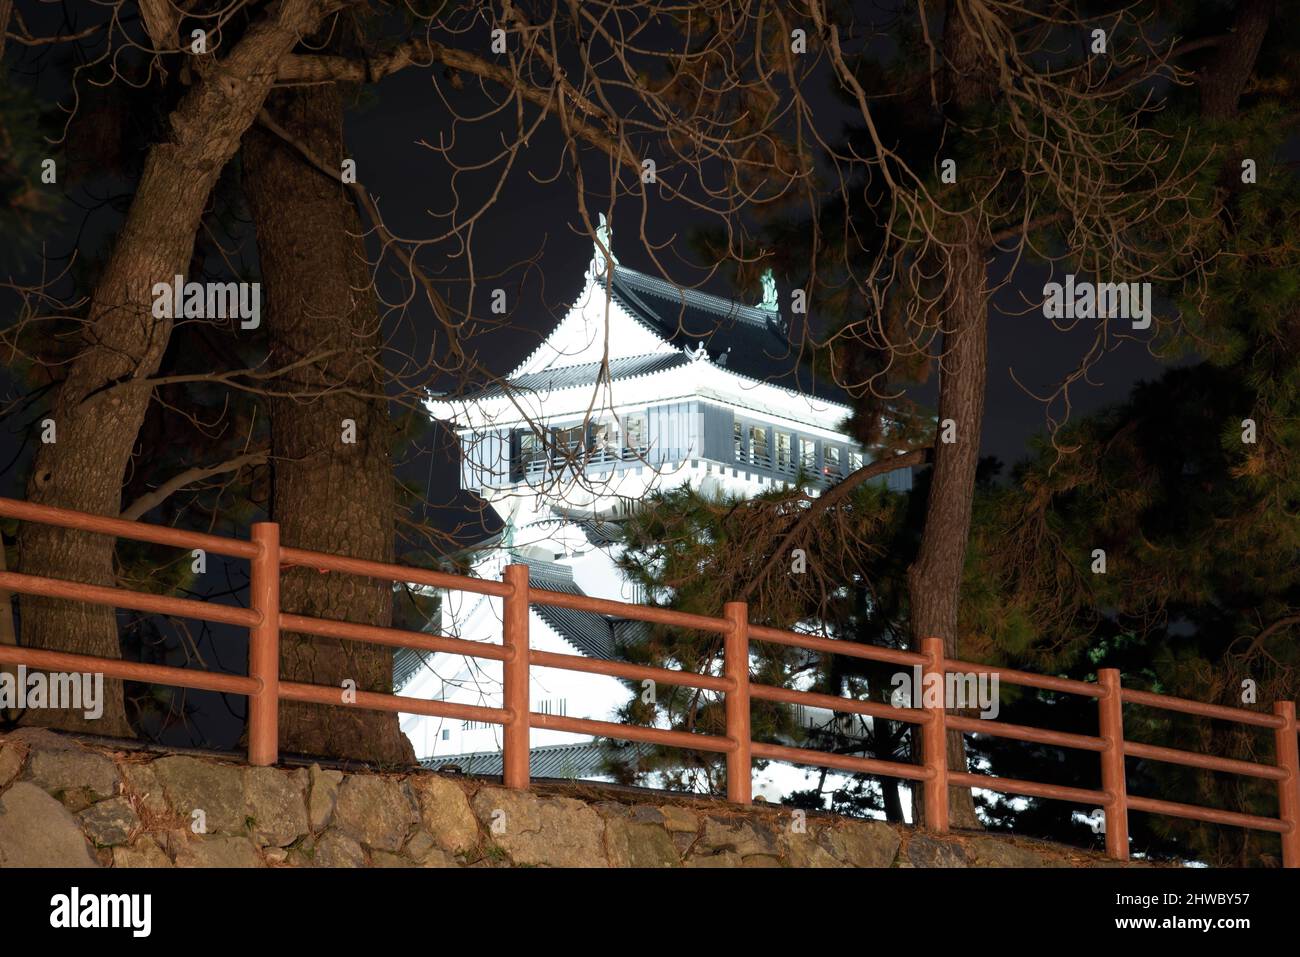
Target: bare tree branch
422	52
152	500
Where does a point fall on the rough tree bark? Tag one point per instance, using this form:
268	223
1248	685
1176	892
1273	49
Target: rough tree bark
326	495
101	403
1227	74
934	579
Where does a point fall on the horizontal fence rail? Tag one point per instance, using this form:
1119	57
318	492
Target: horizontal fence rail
264	689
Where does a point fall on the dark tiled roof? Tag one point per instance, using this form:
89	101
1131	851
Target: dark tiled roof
602	533
406	662
755	342
638	286
583	760
596	636
570	377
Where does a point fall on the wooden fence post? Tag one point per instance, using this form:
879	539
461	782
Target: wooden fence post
515	678
1110	722
934	738
264	647
735	665
1288	789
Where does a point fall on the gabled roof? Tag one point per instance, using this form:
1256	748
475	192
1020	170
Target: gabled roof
639	286
748	341
596	636
570	377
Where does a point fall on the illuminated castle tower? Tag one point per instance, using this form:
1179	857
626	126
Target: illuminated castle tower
641	386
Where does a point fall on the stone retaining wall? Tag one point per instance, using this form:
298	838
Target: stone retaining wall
69	803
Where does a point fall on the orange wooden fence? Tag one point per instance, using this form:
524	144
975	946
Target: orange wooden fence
265	621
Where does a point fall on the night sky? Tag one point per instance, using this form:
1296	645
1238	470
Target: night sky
543	220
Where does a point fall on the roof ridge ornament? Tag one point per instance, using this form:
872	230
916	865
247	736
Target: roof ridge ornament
697	354
605	238
769	303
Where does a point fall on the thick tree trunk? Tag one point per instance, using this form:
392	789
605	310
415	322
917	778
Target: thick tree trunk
893	800
934	579
1228	73
892	788
102	402
328	495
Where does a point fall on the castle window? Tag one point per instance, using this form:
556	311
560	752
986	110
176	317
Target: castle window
784	453
808	453
634	432
568	441
604	440
855	461
832	460
532	451
758	445
738	440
